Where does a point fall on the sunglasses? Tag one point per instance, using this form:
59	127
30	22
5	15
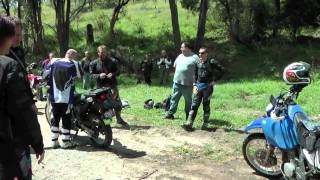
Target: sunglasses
202	52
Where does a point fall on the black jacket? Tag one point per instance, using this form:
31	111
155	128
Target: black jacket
18	55
146	67
85	65
209	71
109	65
19	126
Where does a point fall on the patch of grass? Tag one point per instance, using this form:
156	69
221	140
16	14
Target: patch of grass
185	151
207	150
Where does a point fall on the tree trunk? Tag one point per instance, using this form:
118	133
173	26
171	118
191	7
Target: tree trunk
90	37
19	9
114	18
175	24
6	6
201	24
62	24
36	26
91	5
63	19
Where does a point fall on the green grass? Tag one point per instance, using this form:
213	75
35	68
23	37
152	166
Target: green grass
233	104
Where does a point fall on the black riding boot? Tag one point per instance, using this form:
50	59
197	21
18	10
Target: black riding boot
119	119
205	121
188	125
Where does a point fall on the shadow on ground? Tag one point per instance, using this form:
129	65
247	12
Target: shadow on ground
214	124
122	151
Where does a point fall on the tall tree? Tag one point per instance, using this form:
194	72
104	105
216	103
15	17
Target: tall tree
19	9
64	15
115	14
276	18
201	24
175	24
34	7
6	6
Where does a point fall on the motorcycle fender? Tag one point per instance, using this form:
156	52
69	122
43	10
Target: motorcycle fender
255	124
107	122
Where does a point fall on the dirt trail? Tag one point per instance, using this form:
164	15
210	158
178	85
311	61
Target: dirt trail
144	152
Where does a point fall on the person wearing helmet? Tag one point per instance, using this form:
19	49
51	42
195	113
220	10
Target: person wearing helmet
207	71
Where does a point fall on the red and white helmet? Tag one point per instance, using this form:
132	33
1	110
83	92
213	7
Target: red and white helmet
297	73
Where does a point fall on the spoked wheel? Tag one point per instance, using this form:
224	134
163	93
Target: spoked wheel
48	112
39	93
103	135
260	156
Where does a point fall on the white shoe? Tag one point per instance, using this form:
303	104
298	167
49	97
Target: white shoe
68	145
55	144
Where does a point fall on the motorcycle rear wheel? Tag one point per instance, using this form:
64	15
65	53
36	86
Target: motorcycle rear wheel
255	156
106	132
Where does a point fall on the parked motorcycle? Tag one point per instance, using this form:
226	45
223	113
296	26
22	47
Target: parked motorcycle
92	113
36	83
289	144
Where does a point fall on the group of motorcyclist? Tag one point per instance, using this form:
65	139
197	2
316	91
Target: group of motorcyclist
19	124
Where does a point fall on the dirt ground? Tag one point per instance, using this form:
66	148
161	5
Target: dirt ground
144	152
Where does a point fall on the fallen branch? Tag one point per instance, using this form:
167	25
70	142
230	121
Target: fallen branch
146	174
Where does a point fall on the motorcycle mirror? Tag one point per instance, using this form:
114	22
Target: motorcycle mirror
273	100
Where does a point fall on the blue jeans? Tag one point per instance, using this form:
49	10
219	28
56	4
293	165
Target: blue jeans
178	91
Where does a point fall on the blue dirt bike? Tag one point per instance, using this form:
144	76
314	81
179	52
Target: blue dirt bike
285	142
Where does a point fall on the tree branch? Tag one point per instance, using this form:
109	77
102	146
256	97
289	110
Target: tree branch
75	12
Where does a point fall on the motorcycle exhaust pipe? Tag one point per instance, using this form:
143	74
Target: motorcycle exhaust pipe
87	130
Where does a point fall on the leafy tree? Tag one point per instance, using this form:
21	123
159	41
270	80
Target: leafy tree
302	13
33	16
175	24
6	6
64	15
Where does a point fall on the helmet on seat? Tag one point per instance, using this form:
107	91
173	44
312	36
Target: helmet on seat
297	73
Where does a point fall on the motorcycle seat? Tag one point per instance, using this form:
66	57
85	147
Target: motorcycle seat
97	92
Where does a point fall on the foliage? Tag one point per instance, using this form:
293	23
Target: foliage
192	5
298	14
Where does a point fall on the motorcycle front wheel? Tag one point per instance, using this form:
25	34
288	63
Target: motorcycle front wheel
39	93
47	110
260	156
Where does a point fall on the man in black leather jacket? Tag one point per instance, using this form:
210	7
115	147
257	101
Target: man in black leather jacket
105	70
207	72
19	126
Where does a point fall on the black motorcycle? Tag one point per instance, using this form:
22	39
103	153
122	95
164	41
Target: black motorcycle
92	113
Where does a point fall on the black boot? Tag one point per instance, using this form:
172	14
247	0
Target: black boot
205	121
120	120
188	125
